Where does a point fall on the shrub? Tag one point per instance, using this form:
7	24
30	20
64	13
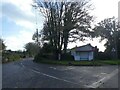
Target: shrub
38	57
67	57
8	57
46	52
41	56
103	56
13	57
49	52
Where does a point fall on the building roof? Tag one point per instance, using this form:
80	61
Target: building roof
84	48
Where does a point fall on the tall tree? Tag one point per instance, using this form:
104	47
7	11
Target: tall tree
2	45
77	22
118	44
31	49
65	22
108	29
37	38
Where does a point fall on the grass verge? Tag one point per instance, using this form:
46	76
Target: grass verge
82	63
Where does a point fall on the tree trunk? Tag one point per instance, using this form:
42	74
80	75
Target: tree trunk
65	43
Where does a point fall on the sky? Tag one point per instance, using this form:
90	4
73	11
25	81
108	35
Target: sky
18	21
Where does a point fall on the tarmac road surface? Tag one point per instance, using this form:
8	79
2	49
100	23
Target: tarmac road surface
28	74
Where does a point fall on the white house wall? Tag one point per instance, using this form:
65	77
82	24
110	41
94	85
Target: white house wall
91	56
83	56
83	53
77	58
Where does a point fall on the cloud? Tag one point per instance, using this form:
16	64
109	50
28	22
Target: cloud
23	15
21	12
24	5
17	42
105	9
17	15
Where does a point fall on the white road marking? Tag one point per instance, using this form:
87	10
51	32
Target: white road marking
54	77
50	76
63	69
104	79
103	73
93	85
22	64
69	68
52	67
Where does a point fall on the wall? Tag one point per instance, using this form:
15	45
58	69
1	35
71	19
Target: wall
83	56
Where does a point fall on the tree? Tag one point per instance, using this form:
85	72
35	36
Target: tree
2	45
76	22
65	22
118	44
32	49
108	29
36	37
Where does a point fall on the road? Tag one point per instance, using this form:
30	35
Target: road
28	74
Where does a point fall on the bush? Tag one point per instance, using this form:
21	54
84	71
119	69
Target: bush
13	57
67	57
41	56
103	56
46	52
8	57
38	57
49	52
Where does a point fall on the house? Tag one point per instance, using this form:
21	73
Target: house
85	52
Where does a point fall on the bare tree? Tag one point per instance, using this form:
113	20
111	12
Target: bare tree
65	22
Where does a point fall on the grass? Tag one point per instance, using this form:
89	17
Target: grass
82	63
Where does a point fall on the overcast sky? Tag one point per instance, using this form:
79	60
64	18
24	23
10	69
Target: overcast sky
18	21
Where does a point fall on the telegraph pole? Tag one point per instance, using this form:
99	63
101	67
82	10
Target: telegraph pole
37	31
115	40
119	15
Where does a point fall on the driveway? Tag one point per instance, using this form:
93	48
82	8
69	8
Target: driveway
28	74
